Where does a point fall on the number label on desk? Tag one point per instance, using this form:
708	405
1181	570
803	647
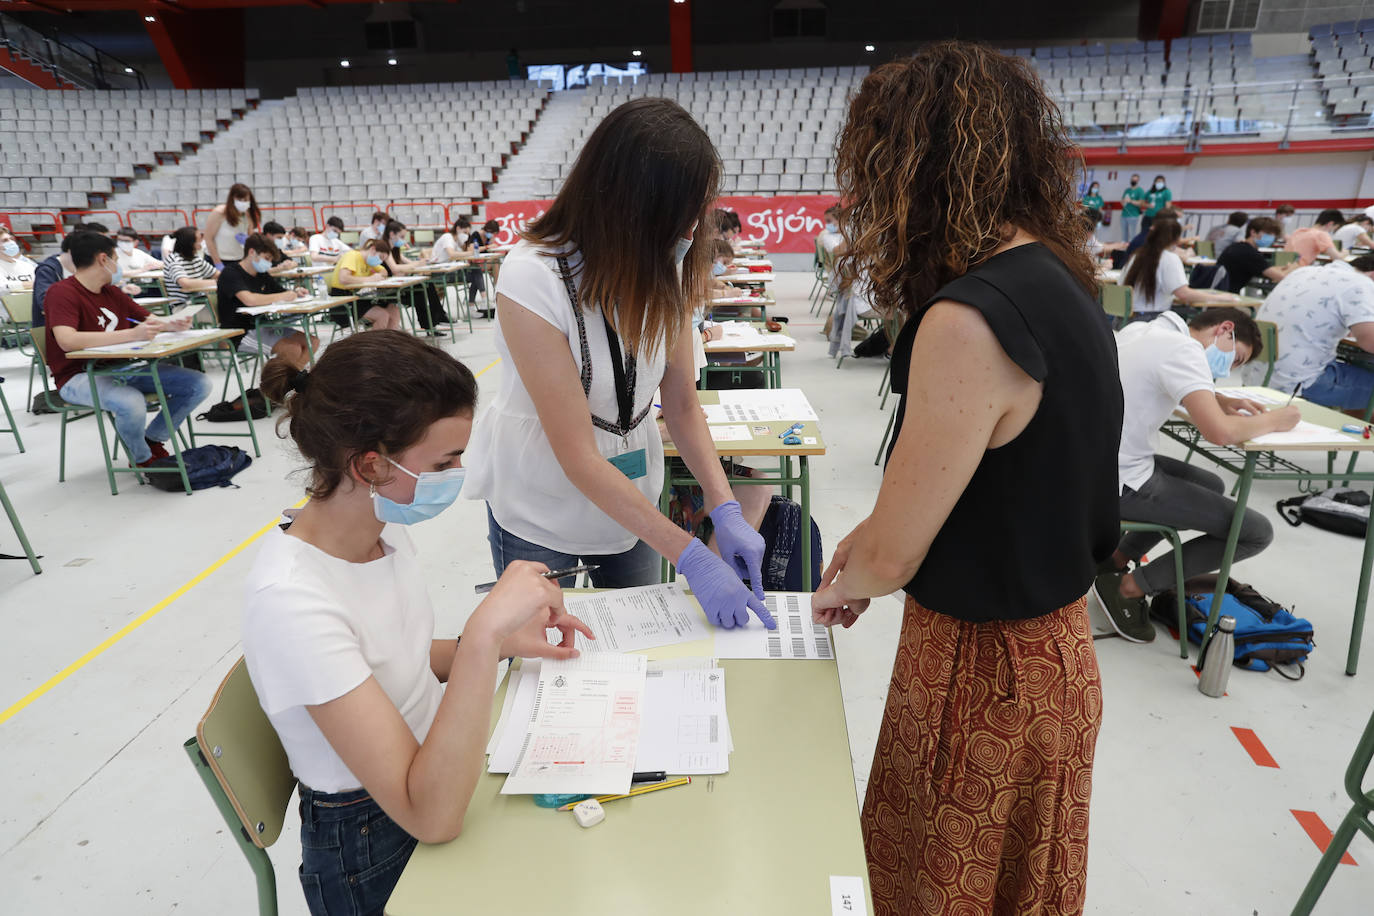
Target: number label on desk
847	895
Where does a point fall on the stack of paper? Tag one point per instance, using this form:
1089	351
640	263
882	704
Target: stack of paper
627	619
760	405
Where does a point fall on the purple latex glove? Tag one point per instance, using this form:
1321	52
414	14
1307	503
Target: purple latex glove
740	545
723	597
240	237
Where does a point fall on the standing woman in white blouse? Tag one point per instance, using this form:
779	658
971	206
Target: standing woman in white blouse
231	223
593	318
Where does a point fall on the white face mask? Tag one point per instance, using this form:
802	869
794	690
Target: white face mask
331	234
1159	186
242	205
125	245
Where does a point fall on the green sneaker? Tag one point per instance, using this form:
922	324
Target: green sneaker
1130	617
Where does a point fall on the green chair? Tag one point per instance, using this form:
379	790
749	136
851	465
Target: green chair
1269	333
19	531
1116	302
1357	818
1206	249
818	270
423	236
1282	258
13	427
1171	535
55	402
828	291
16	310
244	767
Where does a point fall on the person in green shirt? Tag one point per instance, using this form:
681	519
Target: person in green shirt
1093	199
1157	197
1130	208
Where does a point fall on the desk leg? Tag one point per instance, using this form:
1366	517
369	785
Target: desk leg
1352	658
309	339
100	425
247	410
1242	494
167	413
807	559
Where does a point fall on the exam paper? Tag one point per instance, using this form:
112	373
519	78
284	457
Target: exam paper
731	433
584	731
1304	434
750	405
684	732
626	619
1259	397
187	311
795	637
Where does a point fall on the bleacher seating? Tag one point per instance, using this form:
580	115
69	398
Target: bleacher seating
58	147
1344	55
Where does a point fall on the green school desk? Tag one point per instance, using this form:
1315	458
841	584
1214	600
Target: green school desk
772	351
301	314
762	839
1261	462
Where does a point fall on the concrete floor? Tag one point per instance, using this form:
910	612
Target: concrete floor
136	619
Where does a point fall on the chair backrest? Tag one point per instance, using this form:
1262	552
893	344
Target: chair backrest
39	336
242	749
1269	333
1284	257
1206	249
19	306
1115	299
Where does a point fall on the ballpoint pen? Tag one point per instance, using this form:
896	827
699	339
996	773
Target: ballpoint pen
551	574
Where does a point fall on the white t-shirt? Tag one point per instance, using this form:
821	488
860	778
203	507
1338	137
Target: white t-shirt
1169	276
137	259
1314	307
1347	235
316	626
510	461
323	244
830	240
15	272
447	247
1160	364
369	234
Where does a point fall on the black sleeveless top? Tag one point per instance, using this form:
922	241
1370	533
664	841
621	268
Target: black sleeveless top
1041	511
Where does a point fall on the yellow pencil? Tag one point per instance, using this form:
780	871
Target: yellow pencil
670	784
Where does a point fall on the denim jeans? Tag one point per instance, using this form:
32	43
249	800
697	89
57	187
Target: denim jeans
1185	497
352	854
1342	386
640	565
123	397
1130	225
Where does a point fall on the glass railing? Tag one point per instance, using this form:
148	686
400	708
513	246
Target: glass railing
86	67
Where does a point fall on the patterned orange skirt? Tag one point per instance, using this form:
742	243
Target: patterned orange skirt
977	802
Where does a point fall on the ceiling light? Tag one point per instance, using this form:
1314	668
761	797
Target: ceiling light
869	48
391	61
637	53
128	69
150	19
344	64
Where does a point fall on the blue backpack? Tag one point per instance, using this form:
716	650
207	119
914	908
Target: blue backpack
206	466
1267	634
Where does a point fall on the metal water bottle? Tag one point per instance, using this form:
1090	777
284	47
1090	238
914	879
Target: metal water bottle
1221	651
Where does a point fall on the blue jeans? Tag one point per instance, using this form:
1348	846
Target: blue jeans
123	397
1130	225
1342	386
352	854
640	565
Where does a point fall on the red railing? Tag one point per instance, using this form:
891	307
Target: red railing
34	230
435	218
185	220
350	208
83	216
195	216
313	225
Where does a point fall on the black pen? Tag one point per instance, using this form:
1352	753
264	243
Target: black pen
551	574
650	776
1293	395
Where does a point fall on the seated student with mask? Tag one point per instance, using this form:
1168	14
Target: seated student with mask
448	246
247	283
1243	261
1355	234
1314	308
16	270
1310	242
1156	275
1229	232
327	247
352	272
430	311
1164	364
275	233
480	240
376	229
88	309
187	270
297	242
830	238
132	258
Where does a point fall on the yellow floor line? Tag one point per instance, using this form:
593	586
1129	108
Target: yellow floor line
149	614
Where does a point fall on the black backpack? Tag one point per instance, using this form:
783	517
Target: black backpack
232	411
206	466
1339	509
782	566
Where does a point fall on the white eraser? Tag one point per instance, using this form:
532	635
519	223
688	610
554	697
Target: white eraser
589	813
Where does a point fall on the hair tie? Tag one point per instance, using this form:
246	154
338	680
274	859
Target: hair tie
301	379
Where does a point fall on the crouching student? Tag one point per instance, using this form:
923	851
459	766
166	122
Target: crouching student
1163	364
88	309
338	628
248	283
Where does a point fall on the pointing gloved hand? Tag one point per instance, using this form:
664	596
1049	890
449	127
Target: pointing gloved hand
723	597
740	545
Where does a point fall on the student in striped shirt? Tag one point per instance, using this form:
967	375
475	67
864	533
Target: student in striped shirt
186	270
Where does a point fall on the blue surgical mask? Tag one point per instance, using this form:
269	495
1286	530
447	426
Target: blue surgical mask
373	260
717	268
118	278
1266	240
262	265
331	234
435	491
680	252
1219	360
832	227
10	248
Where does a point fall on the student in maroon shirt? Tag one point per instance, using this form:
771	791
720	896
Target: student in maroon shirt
88	309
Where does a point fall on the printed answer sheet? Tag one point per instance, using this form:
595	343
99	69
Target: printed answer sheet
760	405
795	637
627	619
583	733
685	731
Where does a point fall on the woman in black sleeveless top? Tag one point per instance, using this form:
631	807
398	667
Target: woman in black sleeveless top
1000	493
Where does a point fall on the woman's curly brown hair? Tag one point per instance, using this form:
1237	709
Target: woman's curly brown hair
943	154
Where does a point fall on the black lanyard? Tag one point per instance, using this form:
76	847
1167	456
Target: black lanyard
623	397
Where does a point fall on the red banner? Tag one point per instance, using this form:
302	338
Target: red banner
777	224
